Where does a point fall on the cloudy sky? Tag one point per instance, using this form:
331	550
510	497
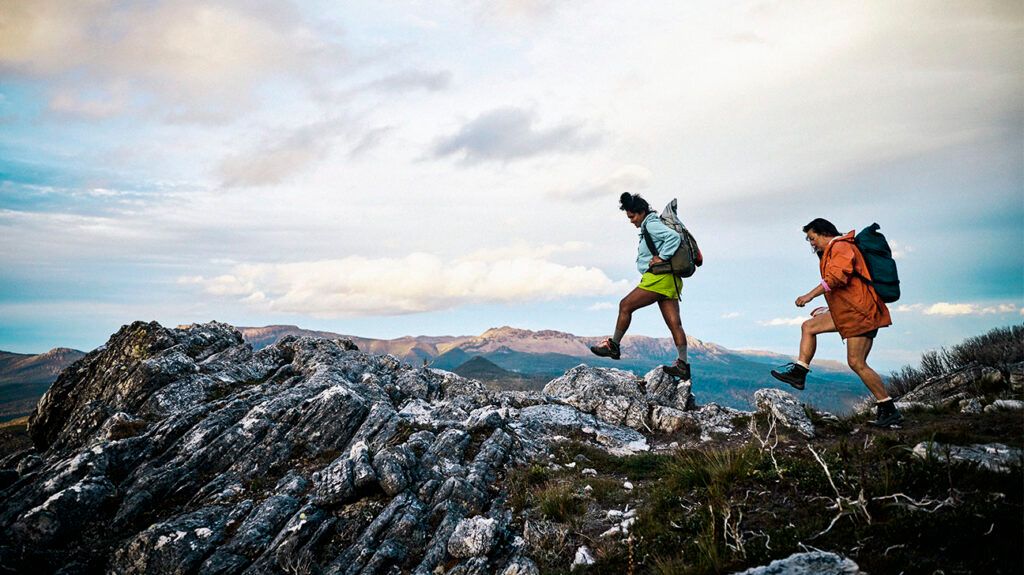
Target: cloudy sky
391	168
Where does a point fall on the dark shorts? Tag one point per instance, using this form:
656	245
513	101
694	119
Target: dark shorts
868	334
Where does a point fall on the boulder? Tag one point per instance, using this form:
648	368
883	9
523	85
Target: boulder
609	394
472	537
785	409
810	563
1005	405
663	389
992	456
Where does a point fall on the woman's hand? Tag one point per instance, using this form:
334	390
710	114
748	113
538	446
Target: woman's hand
804	300
656	260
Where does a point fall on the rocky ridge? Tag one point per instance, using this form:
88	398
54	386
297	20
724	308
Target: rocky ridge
183	451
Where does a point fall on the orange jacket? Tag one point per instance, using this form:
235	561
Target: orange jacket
854	304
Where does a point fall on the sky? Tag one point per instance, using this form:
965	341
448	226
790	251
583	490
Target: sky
439	168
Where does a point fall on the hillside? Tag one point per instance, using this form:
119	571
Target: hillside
721	375
183	451
25	377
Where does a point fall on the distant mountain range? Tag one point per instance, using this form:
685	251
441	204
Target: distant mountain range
527	359
503	358
24	378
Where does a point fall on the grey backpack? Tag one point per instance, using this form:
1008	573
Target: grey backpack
687	258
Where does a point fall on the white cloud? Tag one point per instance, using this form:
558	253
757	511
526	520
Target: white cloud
783	321
602	306
731	315
199	58
392	286
505	134
630	178
275	161
959	309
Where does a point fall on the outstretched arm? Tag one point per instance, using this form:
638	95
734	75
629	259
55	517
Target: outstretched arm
807	297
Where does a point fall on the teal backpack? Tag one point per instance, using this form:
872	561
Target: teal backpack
878	257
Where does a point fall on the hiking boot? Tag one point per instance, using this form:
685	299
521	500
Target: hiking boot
607	348
680	369
792	373
888	417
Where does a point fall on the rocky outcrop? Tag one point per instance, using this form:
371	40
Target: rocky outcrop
785	409
991	456
655	402
810	563
184	451
951	388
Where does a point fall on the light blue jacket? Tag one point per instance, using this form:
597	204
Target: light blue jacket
666	241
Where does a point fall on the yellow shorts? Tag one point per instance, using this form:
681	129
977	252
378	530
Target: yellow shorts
667	285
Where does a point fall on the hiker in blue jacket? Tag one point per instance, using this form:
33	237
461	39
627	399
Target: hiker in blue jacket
660	288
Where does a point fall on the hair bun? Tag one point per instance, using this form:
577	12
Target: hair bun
626	198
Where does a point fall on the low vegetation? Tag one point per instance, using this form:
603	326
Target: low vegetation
863	495
999	349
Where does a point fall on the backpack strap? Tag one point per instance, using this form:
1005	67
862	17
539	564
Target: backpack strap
647	238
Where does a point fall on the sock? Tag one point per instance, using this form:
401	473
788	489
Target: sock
617	337
886	400
806	366
682	352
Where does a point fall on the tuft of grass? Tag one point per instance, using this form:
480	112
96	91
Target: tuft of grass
560	503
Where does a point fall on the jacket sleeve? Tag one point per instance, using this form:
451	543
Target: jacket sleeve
839	267
665	238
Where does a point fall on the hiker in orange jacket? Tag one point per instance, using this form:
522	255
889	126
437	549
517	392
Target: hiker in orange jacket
854	310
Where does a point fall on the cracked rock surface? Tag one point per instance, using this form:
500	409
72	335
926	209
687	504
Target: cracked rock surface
183	451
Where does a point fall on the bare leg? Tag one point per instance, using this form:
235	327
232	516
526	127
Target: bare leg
857	350
633	301
808	335
670	311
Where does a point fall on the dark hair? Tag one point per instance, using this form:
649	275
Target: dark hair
822	227
633	203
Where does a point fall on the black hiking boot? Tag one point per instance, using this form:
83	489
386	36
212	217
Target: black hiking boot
680	369
607	348
792	373
888	417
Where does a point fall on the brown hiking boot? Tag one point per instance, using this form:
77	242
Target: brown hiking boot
607	348
680	369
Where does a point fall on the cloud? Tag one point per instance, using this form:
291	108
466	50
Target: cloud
199	59
506	134
410	80
630	178
731	315
783	321
415	283
273	162
602	306
947	309
91	106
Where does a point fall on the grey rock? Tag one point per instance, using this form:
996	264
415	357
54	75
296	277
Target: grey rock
472	537
785	409
992	456
521	566
1017	377
914	406
967	382
971	406
663	389
176	546
182	450
810	563
611	395
667	419
1005	405
713	419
